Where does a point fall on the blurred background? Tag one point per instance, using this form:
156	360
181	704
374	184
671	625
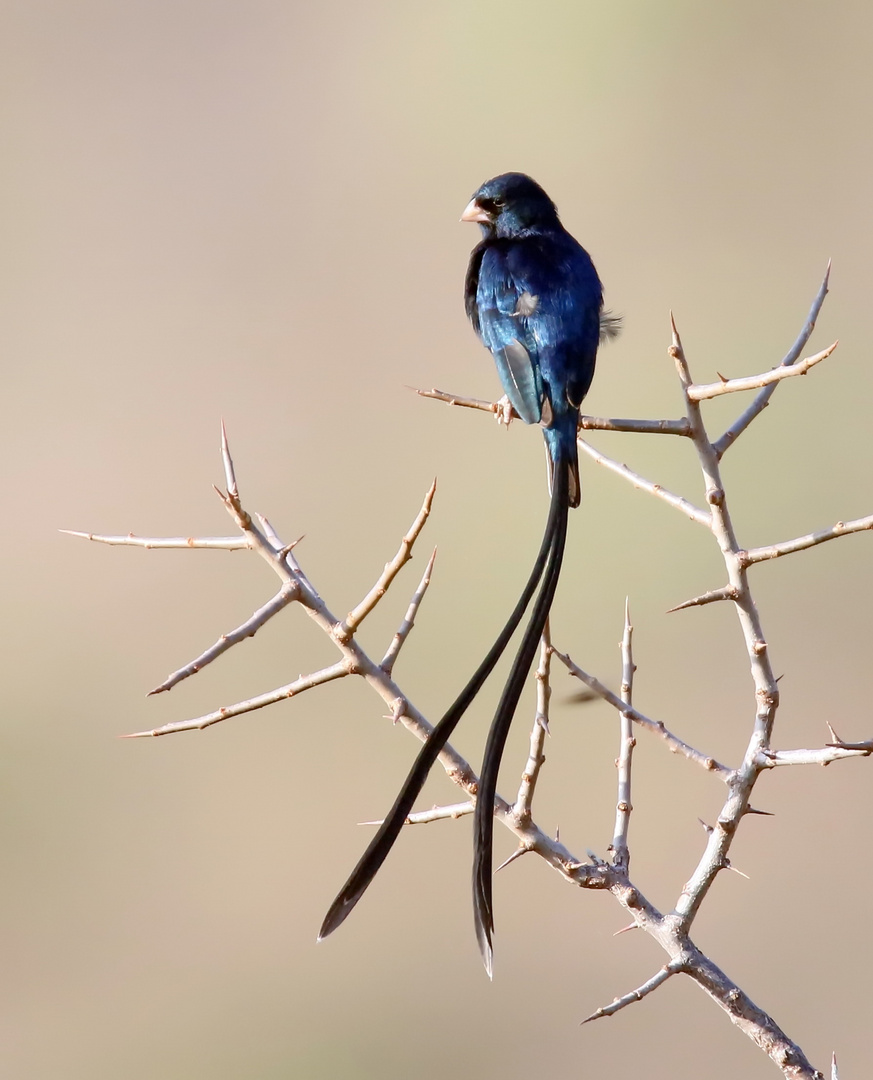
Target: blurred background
251	211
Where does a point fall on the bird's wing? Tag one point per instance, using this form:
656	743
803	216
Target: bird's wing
566	323
505	306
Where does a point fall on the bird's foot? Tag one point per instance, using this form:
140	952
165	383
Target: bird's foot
503	412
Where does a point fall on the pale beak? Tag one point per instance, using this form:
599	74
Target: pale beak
474	212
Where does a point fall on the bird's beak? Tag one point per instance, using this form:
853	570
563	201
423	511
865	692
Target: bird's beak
474	212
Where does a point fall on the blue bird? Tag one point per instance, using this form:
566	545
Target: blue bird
536	302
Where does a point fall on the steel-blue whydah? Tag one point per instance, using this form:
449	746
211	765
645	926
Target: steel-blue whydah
536	302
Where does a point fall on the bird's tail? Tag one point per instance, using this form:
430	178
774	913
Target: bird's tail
383	841
564	477
561	442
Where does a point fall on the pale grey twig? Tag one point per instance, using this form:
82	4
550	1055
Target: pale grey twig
635	995
304	682
249	628
220	543
494	407
865	744
406	626
503	410
539	731
741	782
657	727
763	399
436	813
640	482
285	552
640	427
800	543
703	391
726	592
627	742
404	553
770	759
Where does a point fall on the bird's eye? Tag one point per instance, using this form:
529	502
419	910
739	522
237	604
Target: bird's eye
489	205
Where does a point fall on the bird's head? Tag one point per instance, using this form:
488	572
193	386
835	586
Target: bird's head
511	205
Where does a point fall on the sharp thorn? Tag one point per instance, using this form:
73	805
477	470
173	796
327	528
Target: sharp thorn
624	929
730	866
517	854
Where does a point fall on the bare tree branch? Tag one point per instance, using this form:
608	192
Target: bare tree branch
702	391
657	727
392	569
763	399
249	628
635	995
640	482
766	689
220	543
436	813
536	757
305	682
627	742
503	410
406	626
770	759
640	427
493	407
801	543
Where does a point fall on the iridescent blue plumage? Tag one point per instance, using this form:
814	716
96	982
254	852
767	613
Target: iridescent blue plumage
535	300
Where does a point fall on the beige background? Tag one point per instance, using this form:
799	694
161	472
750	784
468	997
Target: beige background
251	210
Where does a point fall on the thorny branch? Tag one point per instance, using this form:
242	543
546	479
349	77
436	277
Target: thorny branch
672	930
627	742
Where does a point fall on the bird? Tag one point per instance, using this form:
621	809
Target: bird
535	301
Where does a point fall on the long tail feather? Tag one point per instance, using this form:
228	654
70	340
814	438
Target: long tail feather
483	821
383	841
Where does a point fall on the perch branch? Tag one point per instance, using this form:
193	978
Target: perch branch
640	427
591	423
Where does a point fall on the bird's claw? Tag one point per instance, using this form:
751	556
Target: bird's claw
503	412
